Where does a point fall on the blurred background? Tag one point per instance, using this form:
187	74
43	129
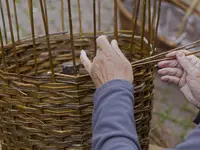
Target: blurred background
179	25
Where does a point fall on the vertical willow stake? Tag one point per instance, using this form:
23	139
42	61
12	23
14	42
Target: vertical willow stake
46	28
80	20
115	20
30	4
94	23
134	24
149	24
3	20
157	23
2	51
153	21
16	19
143	27
62	15
71	37
13	39
99	15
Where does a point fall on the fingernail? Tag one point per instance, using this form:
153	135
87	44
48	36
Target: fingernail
83	52
180	55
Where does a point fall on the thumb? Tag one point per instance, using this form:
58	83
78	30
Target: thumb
185	63
85	61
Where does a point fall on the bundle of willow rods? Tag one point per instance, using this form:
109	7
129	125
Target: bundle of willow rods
161	56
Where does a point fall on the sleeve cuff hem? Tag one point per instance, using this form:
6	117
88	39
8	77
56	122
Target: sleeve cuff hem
114	83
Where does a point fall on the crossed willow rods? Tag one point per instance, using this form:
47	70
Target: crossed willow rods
161	56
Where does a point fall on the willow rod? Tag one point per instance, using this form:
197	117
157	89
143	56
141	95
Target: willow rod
45	22
164	53
99	15
94	23
2	51
143	26
72	37
115	21
30	4
134	24
133	20
3	20
16	19
157	23
80	19
161	59
153	20
149	23
12	38
62	15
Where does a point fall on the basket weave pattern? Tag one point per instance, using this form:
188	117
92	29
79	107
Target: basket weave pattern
36	113
46	95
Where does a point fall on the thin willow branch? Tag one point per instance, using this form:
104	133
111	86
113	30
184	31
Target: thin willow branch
62	15
72	37
16	19
30	4
115	20
12	38
134	24
46	28
3	20
162	59
164	53
94	25
99	15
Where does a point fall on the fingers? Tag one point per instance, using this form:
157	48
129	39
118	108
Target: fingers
173	54
185	63
115	46
85	61
169	63
170	79
103	43
171	71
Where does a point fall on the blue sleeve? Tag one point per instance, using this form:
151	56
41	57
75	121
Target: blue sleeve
113	124
192	142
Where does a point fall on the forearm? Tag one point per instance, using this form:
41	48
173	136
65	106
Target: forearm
113	119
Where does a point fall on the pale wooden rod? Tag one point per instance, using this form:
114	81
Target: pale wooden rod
94	26
143	27
136	7
46	28
16	19
30	6
186	47
12	38
72	37
4	24
161	59
115	20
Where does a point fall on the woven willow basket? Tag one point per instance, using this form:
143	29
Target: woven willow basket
46	96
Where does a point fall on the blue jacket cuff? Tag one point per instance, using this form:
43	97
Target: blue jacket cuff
113	84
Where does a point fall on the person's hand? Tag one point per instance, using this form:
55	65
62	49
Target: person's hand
109	63
184	71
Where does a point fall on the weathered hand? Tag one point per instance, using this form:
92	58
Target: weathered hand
109	63
184	71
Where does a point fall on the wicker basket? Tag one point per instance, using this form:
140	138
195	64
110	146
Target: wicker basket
46	95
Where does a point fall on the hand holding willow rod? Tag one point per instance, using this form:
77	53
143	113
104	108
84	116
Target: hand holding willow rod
184	71
109	63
